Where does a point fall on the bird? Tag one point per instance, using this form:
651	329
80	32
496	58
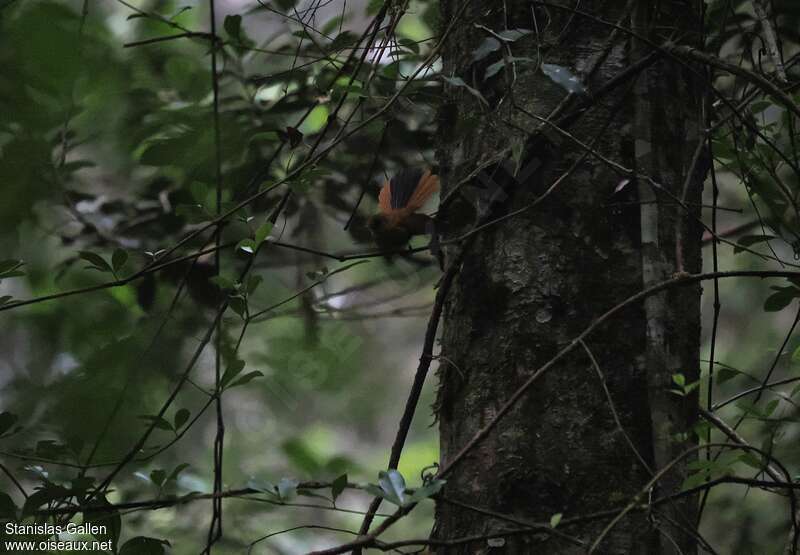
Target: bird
399	199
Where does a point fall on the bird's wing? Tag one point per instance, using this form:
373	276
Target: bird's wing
407	191
385	198
428	184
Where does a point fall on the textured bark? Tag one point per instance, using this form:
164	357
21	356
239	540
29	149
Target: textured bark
530	284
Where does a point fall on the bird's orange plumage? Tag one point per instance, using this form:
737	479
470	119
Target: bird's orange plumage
426	186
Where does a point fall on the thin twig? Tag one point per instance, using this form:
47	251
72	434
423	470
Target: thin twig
737	439
760	8
676	281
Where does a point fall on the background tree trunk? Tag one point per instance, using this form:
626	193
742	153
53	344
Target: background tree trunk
532	283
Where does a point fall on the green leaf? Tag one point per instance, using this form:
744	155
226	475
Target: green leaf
158	422
176	472
118	259
287	488
375	491
10	268
485	48
694	480
770	407
179	12
257	484
158	477
234	369
309	493
181	417
7	420
691	387
338	486
354	89
343	40
247	245
331	25
82	483
108	518
752	460
563	77
725	374
263	232
300	185
750	409
685	388
780	300
250	376
42	496
233	26
313	123
253	281
510	35
459	82
759	106
493	69
223	282
497	66
305	181
8	511
555	520
426	491
750	240
723	148
97	261
143	545
238	305
410	44
393	485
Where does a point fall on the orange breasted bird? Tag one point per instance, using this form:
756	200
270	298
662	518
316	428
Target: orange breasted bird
397	219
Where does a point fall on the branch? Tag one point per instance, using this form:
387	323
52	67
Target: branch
757	389
165	502
764	84
368	539
661	473
187	34
676	281
611	406
770	38
737	439
419	380
708	236
254	317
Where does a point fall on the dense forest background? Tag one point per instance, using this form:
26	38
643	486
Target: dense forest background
120	151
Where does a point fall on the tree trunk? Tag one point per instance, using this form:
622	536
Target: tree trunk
533	282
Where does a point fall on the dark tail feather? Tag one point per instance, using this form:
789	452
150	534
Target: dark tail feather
403	185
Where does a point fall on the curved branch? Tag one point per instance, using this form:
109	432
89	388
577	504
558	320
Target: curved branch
761	82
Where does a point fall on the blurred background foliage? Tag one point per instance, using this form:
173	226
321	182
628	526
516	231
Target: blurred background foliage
107	158
106	148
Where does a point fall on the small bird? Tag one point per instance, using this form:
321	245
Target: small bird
400	198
